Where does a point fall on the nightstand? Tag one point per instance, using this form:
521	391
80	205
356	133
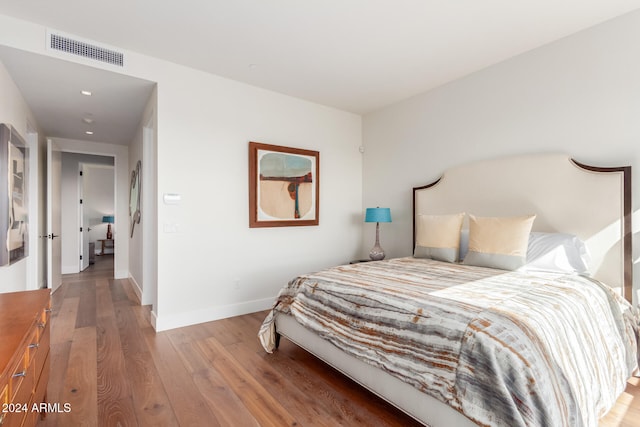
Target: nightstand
106	244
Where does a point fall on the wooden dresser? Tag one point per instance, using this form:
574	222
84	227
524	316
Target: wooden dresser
24	356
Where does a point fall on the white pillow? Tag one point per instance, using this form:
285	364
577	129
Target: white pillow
557	252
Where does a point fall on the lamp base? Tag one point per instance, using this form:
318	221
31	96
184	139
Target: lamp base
377	253
109	233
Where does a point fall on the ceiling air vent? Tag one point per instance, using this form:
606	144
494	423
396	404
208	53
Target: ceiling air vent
86	50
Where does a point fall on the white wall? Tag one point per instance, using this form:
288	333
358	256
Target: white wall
580	95
204	124
142	244
14	111
70	207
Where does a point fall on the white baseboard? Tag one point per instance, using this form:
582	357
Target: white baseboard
178	320
154	320
136	288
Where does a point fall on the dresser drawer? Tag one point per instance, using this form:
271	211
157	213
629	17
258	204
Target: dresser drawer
22	382
39	351
4	399
42	382
15	418
20	376
44	317
31	388
30	418
24	371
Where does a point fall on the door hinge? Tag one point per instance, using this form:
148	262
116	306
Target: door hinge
80	257
80	201
80	173
81	229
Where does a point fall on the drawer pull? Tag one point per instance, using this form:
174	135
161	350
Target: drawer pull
48	310
34	345
20	374
42	325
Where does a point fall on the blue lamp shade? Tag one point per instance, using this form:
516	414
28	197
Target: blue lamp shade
378	215
108	218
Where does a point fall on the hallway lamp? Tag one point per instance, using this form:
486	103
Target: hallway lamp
377	215
109	219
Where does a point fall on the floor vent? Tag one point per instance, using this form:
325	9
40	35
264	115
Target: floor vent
86	50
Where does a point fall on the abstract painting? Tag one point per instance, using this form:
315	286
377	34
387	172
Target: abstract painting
14	216
283	186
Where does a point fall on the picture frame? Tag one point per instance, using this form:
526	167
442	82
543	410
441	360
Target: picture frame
134	197
14	197
284	186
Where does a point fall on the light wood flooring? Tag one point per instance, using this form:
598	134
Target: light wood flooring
114	370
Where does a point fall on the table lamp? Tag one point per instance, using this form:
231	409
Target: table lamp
377	215
109	219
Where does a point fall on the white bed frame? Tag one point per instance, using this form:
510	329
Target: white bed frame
591	202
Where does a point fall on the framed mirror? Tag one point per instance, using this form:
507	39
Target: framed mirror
134	197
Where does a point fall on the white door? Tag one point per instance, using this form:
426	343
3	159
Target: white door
84	223
54	250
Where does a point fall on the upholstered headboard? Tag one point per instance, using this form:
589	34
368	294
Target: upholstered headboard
591	202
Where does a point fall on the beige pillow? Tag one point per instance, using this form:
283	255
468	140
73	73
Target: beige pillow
438	236
498	242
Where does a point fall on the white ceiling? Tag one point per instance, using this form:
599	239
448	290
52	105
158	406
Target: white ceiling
52	88
355	55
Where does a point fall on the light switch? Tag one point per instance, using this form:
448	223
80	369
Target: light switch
171	227
171	198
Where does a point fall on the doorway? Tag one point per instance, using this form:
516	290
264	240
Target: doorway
87	194
96	189
112	155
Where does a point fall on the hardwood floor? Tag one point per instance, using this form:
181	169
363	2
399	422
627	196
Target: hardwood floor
112	369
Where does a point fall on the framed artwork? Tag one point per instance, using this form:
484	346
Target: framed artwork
14	213
284	186
134	197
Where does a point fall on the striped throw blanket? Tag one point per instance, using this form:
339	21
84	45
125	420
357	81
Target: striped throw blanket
504	348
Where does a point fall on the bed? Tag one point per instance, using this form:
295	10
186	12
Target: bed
462	344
